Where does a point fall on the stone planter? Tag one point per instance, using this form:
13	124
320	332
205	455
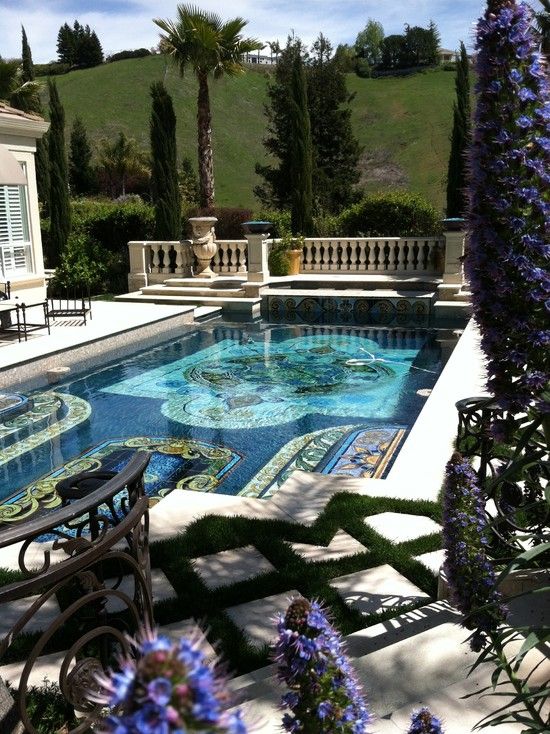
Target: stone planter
203	245
295	261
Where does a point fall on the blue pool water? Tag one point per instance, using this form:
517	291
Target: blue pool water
230	409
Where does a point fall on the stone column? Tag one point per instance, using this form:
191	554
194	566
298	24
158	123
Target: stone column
139	265
256	234
454	251
204	245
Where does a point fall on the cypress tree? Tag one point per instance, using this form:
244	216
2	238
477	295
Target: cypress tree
60	213
42	164
81	175
164	171
28	67
301	161
460	139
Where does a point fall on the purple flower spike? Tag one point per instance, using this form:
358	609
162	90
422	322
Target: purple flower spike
324	694
167	688
509	212
424	722
469	571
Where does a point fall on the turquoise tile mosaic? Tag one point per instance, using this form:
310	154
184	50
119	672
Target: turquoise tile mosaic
227	408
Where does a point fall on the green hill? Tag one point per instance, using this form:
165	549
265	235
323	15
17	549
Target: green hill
404	123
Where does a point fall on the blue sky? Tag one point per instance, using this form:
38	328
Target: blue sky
123	24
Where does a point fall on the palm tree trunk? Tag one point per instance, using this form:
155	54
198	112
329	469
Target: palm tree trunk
206	161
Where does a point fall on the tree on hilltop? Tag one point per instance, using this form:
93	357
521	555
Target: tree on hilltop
27	67
368	44
201	40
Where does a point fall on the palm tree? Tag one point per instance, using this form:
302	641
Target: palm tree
201	40
119	159
17	93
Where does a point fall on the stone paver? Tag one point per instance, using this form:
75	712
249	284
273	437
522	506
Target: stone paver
10	613
257	618
46	668
162	589
433	560
231	566
340	546
377	589
188	628
399	527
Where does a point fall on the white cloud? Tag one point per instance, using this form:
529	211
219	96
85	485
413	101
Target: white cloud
132	27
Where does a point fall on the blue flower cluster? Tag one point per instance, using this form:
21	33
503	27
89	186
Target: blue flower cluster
167	689
324	695
469	570
509	213
424	722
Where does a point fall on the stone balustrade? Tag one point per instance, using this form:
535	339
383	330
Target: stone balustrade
153	262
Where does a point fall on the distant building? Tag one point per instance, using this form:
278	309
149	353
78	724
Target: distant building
21	259
258	58
446	56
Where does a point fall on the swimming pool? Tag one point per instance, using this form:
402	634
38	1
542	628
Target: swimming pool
225	408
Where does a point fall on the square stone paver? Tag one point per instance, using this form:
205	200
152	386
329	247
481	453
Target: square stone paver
11	612
377	589
257	618
162	589
433	560
188	628
399	527
231	566
340	546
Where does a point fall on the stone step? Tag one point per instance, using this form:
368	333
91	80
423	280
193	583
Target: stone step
162	290
218	282
357	292
452	309
207	313
453	292
238	305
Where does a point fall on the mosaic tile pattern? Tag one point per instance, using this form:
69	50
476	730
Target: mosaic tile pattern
175	464
249	384
12	405
58	412
353	310
355	451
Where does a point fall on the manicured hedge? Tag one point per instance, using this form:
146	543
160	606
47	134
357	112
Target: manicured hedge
113	224
390	214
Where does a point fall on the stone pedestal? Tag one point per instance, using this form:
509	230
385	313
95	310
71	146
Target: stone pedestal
258	268
454	251
204	245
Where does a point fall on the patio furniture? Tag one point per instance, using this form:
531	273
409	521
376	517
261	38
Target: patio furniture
72	302
5	291
15	319
92	553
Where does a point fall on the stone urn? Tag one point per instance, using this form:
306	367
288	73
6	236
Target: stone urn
203	245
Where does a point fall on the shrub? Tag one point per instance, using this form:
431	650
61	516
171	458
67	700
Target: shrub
279	218
391	214
84	264
363	69
230	220
113	224
51	69
137	53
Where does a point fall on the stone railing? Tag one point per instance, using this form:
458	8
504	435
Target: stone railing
156	261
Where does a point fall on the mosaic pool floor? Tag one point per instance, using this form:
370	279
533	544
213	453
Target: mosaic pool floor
225	409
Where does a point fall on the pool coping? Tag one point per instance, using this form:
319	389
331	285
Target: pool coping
91	348
417	472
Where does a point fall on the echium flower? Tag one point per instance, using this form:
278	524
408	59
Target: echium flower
166	688
324	695
424	722
509	213
469	570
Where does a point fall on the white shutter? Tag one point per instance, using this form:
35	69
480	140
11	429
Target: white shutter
14	229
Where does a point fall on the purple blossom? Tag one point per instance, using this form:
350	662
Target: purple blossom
324	693
424	722
469	571
167	688
509	212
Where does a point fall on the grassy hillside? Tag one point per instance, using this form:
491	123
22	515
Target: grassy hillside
404	123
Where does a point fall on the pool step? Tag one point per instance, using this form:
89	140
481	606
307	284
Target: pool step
238	305
206	313
162	290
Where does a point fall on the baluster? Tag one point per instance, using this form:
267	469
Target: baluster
416	256
244	257
223	257
156	247
406	251
322	256
386	255
329	249
376	255
399	265
307	255
363	253
347	254
231	266
426	252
